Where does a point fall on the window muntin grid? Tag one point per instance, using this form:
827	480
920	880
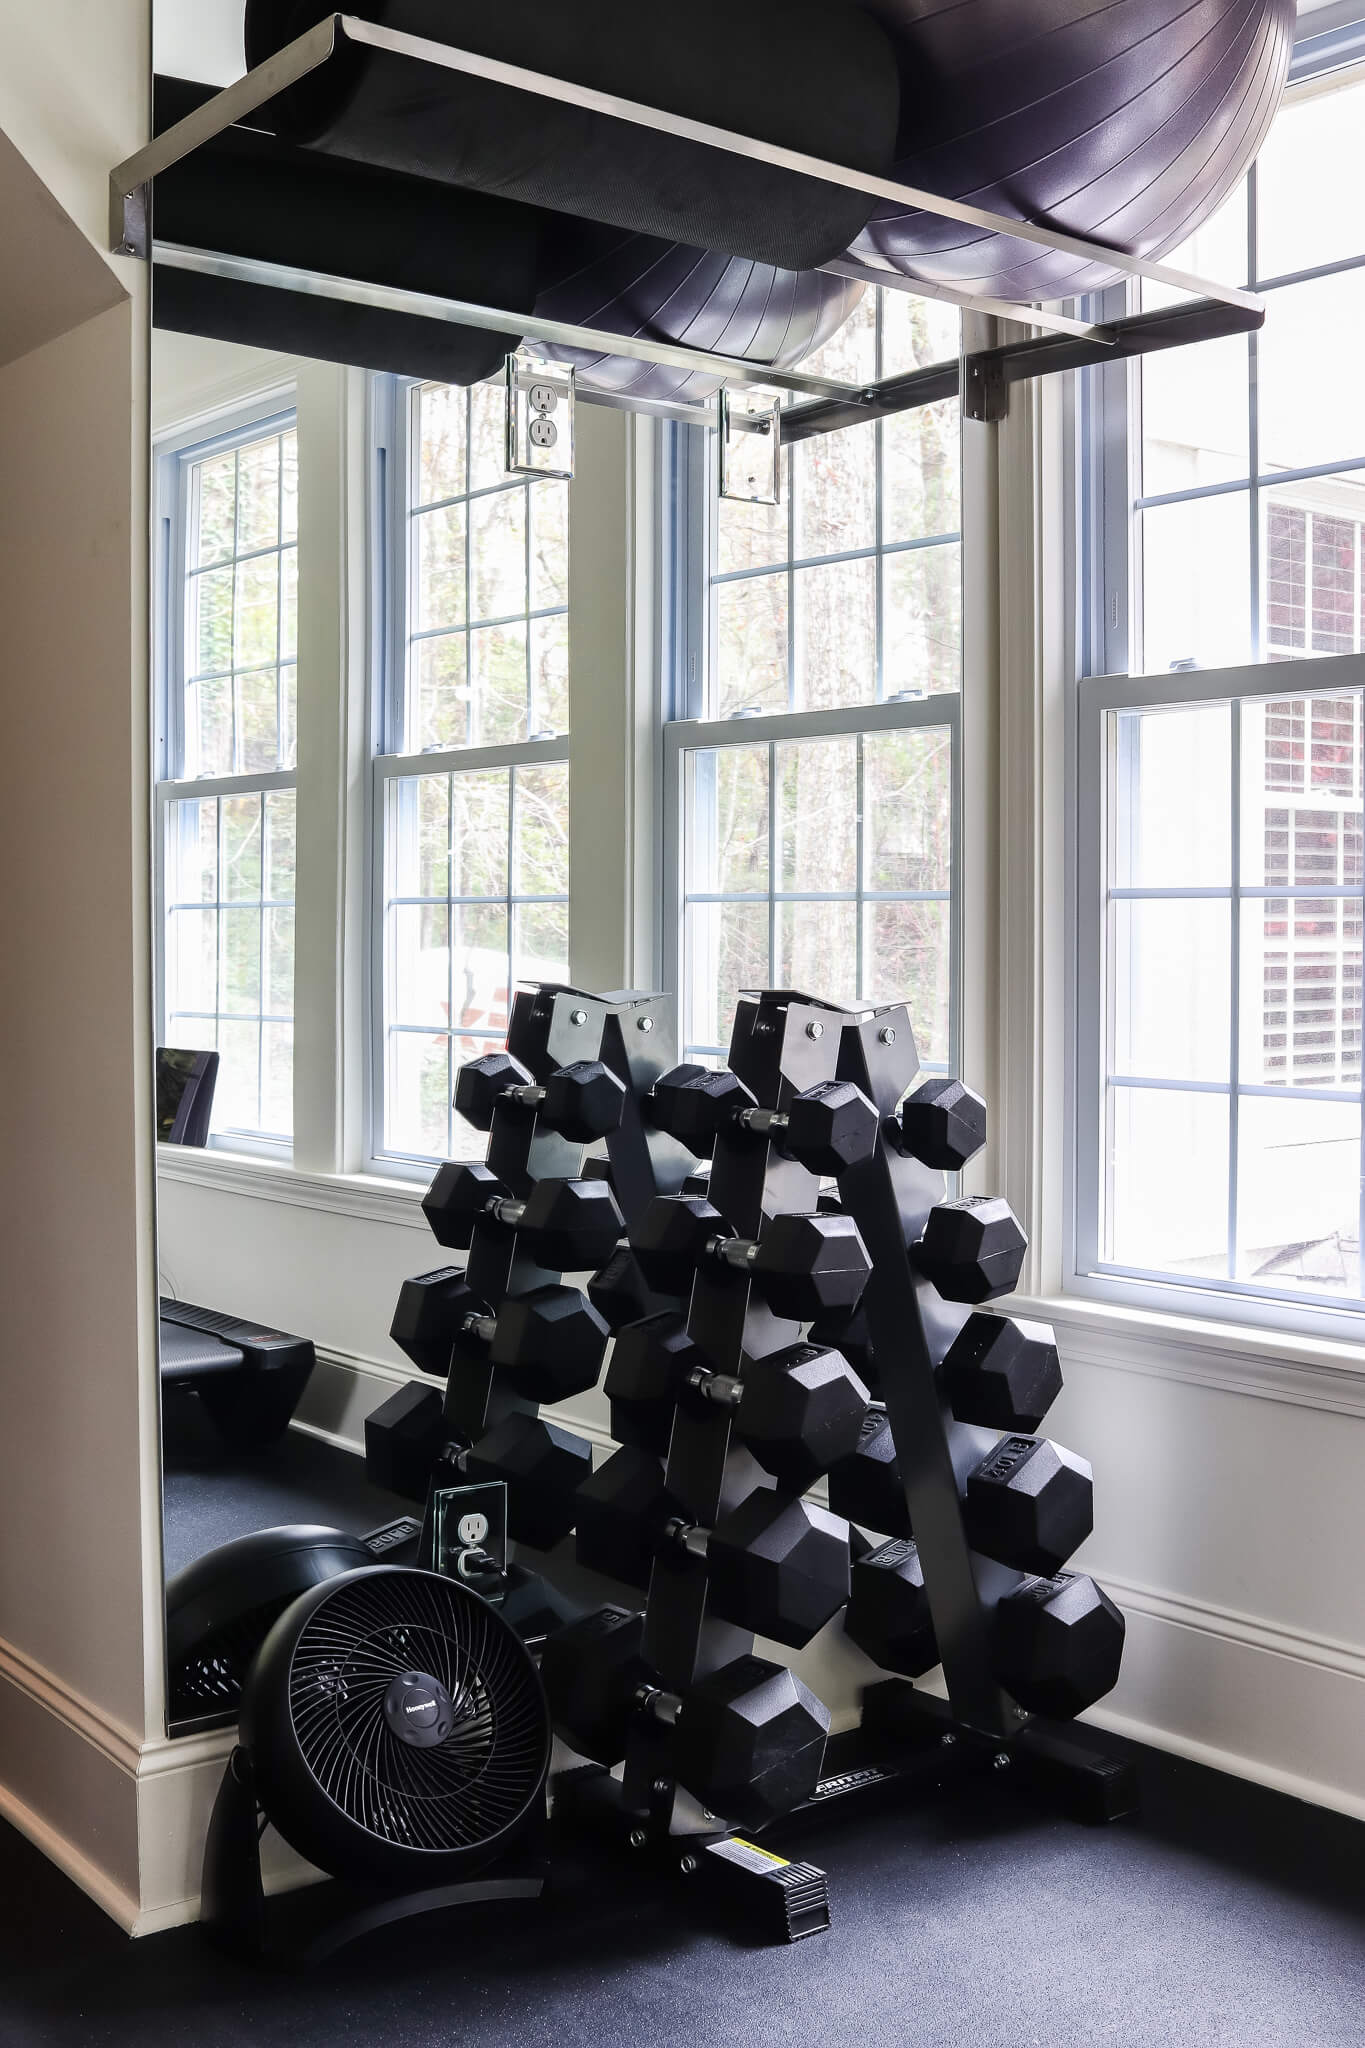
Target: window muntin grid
240	628
824	858
228	830
1248	455
472	882
486	627
823	863
1225	493
476	899
229	970
849	592
1230	1117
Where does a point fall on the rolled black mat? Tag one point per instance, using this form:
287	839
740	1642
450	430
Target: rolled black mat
813	75
248	194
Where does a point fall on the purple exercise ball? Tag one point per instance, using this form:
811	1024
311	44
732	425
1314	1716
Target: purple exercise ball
640	286
1128	121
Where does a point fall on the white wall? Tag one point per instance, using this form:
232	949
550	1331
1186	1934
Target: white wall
193	377
74	97
199	39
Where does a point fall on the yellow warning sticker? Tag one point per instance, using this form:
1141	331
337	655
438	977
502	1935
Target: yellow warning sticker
748	1855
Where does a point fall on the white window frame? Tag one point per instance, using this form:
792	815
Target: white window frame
681	737
174	456
610	747
628	654
689	488
1102	577
1098	774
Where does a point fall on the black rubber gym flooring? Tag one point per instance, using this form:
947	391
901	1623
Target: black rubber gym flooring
210	1495
1225	1914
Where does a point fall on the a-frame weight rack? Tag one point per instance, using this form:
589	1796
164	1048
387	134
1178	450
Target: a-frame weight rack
911	1327
784	1042
552	1026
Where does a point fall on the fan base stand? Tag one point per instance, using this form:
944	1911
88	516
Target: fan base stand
303	1927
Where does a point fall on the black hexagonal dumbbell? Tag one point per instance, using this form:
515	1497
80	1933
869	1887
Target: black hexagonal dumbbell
888	1610
569	1225
1058	1644
749	1738
797	1411
802	1265
549	1342
972	1250
826	1128
618	1291
846	1330
865	1487
943	1124
540	1464
581	1102
1002	1372
774	1565
542	1467
1029	1504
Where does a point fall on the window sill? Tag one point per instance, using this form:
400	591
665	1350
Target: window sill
1276	1365
365	1196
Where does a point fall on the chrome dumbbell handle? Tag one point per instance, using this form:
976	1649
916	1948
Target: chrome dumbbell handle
720	1387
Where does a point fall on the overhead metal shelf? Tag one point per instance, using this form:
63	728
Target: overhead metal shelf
982	379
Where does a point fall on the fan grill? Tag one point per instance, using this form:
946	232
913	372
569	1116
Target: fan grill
210	1678
467	1789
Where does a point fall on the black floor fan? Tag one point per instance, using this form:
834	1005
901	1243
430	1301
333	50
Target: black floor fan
395	1733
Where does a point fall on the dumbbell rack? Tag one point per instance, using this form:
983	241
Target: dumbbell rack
552	1026
784	1042
911	1326
781	1044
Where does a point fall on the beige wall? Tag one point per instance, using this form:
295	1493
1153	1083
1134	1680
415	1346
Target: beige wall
73	1014
77	1449
74	96
80	1637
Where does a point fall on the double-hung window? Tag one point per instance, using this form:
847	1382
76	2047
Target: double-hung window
471	782
1218	1053
811	766
226	782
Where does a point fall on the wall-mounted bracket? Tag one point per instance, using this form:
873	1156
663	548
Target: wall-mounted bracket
985	391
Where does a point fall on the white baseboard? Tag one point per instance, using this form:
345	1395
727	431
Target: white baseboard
344	1387
91	1877
1311	1790
124	1820
177	1794
68	1782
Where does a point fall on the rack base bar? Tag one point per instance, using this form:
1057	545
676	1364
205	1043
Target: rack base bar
909	1747
727	1876
1051	1758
